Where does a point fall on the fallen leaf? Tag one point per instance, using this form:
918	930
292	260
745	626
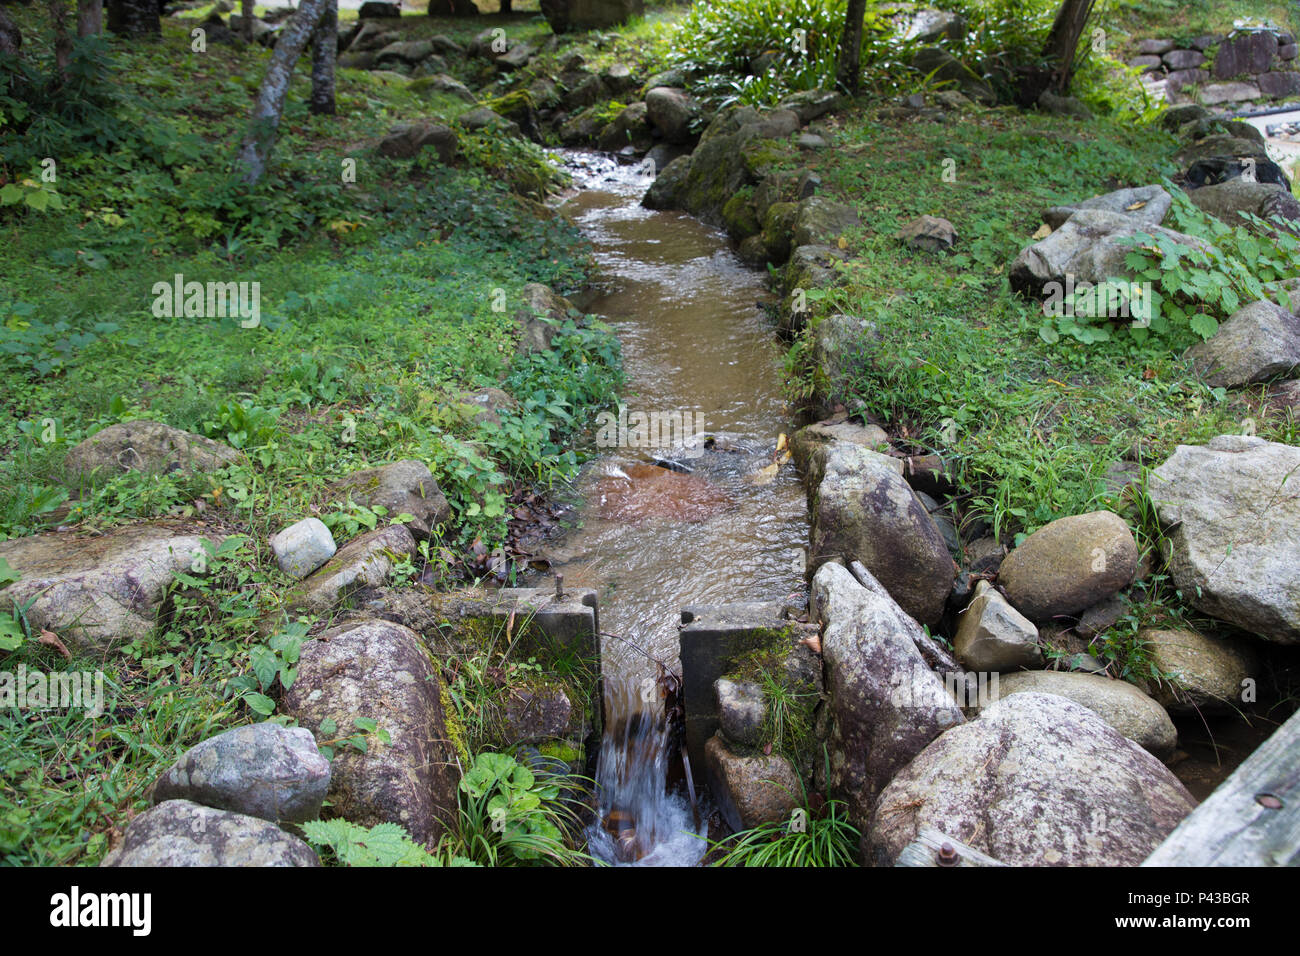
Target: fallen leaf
1137	205
781	442
765	475
50	639
843	243
1042	232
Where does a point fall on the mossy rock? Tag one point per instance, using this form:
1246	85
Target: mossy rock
778	229
739	217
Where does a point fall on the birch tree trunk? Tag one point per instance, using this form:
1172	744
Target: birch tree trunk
264	124
325	50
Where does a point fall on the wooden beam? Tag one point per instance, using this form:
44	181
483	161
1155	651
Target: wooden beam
935	848
1251	819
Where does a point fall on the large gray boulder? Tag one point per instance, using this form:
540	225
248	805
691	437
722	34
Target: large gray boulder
1090	246
1258	342
1231	510
149	447
1145	205
1035	780
181	833
382	671
403	487
1070	564
1123	706
407	139
672	111
863	510
886	704
1229	200
260	770
1250	51
101	590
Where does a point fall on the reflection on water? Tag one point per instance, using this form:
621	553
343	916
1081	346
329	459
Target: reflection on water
702	531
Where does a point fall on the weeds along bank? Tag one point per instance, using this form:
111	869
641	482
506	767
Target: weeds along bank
190	366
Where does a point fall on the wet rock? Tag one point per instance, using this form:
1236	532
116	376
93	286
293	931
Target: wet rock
1069	565
863	510
1119	703
1091	246
887	705
742	709
778	224
98	591
819	221
538	713
1035	780
150	447
365	561
382	671
672	111
181	833
1210	673
807	440
1152	204
260	770
750	790
1250	52
1232	518
1260	341
402	487
630	126
929	233
1227	201
994	636
303	547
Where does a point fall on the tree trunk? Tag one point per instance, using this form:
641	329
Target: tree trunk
255	151
848	72
134	18
11	38
246	15
325	48
1063	40
62	37
90	17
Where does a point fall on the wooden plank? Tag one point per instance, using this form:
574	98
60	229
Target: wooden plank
929	848
1251	819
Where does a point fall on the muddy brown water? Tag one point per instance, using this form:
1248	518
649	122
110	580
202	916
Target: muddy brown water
699	350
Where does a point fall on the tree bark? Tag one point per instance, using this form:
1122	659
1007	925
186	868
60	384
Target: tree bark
134	18
1063	40
90	17
11	38
848	71
264	124
246	14
325	48
62	37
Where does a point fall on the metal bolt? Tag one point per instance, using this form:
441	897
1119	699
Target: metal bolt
1268	800
559	587
948	855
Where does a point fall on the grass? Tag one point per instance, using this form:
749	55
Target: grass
826	838
383	301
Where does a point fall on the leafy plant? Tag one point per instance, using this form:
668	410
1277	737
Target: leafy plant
826	838
385	844
507	817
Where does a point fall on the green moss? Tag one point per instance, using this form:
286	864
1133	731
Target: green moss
562	750
454	726
738	215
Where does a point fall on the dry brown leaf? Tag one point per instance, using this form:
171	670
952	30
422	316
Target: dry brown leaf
1042	232
50	639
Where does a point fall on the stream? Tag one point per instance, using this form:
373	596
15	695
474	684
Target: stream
717	525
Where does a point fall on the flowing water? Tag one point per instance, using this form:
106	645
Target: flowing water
715	526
